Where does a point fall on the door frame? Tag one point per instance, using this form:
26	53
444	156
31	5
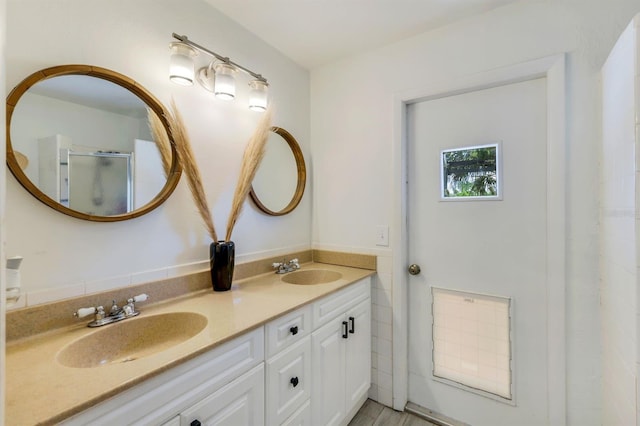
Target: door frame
553	69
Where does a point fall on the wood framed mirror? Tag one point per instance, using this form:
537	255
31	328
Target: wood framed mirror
282	175
79	140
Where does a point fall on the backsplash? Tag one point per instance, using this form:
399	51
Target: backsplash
79	289
48	316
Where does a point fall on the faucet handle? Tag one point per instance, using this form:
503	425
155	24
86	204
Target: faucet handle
83	312
130	309
276	265
140	298
293	264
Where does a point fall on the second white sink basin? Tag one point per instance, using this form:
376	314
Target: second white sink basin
311	276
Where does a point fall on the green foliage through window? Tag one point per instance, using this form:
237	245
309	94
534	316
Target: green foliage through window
470	172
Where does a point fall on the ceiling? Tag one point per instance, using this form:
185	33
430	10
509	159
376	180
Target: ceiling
317	32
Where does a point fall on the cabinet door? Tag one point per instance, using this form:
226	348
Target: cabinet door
358	353
240	403
173	422
328	391
288	381
302	417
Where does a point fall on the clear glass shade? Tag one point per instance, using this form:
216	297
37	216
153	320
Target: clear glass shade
225	81
181	63
258	95
218	78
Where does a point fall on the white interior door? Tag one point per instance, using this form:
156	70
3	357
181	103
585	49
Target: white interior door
496	247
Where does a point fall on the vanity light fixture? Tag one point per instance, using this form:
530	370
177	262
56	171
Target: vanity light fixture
225	81
217	77
258	94
181	63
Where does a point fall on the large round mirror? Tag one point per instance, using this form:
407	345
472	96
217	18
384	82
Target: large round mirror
280	180
91	143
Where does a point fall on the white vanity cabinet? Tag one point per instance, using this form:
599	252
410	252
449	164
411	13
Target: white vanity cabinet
310	366
341	353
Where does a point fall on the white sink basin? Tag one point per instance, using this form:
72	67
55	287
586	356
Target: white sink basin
311	276
131	339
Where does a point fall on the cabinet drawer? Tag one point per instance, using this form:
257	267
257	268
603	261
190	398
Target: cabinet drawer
336	304
287	330
240	403
302	417
288	379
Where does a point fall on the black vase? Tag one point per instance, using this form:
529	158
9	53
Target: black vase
222	255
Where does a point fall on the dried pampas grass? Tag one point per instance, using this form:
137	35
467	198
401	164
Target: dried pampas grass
250	161
253	154
190	167
161	138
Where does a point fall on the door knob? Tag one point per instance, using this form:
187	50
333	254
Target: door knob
414	269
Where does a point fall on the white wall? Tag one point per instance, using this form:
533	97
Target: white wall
618	273
3	6
352	132
65	256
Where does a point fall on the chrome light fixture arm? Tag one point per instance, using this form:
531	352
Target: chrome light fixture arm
184	39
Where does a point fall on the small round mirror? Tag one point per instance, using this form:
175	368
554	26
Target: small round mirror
79	140
280	180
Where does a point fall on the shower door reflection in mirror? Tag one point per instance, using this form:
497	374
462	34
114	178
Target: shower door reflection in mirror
99	183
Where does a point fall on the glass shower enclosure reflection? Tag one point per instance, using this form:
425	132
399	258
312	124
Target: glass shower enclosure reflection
98	183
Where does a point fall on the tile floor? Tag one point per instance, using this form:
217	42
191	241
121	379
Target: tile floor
374	414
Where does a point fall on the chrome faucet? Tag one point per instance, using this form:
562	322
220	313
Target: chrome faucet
115	313
284	266
115	310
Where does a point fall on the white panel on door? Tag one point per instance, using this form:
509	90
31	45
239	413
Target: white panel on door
472	340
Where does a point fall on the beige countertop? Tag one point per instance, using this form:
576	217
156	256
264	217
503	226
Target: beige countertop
42	391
